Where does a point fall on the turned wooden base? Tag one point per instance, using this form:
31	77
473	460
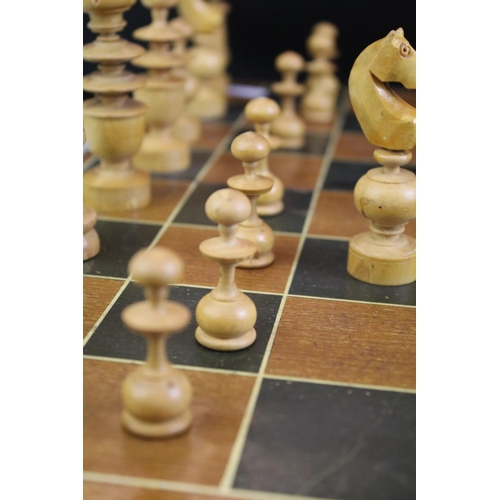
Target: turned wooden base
232	344
271	209
258	262
169	428
109	190
382	265
159	154
292	142
318	116
188	128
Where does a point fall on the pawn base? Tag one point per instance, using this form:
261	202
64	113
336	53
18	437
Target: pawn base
162	155
91	244
169	428
232	344
107	190
187	128
271	209
318	115
292	142
263	260
382	265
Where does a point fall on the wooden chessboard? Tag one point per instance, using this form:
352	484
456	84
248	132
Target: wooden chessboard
322	405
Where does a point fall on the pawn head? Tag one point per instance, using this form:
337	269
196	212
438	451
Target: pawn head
262	110
250	147
289	61
155	267
228	207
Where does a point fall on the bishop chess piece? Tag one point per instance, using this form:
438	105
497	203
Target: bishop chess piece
226	316
91	242
114	122
262	111
289	126
385	195
251	148
164	94
156	396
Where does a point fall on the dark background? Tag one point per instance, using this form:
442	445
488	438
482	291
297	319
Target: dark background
259	30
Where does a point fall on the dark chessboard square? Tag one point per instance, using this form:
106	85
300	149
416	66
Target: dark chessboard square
198	159
351	123
328	441
112	339
322	272
343	175
119	242
193	211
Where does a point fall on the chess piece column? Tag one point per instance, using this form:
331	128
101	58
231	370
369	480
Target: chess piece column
385	195
322	88
156	396
289	126
261	112
114	123
164	94
187	126
251	148
226	316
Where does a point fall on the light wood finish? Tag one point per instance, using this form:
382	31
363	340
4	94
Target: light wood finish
203	16
164	94
251	148
198	456
272	279
322	86
262	111
114	123
350	342
226	316
187	126
97	294
289	126
156	396
385	195
91	243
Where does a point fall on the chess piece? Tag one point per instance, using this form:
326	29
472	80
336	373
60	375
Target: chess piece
114	122
261	112
164	94
385	195
156	396
91	243
210	57
251	148
322	87
187	126
226	316
289	126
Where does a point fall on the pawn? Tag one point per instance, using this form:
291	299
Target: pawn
156	396
91	243
226	316
289	126
251	148
261	112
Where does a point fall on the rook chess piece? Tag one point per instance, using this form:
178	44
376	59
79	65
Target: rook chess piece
289	126
261	112
226	316
251	148
156	396
385	195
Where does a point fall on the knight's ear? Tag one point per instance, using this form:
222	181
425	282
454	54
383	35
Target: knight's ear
400	31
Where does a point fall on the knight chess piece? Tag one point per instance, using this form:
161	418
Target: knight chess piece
385	195
226	316
156	396
262	111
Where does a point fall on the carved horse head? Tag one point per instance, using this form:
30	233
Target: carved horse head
386	119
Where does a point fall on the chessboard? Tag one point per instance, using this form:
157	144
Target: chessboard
323	404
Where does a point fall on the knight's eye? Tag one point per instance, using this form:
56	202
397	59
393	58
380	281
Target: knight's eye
404	50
